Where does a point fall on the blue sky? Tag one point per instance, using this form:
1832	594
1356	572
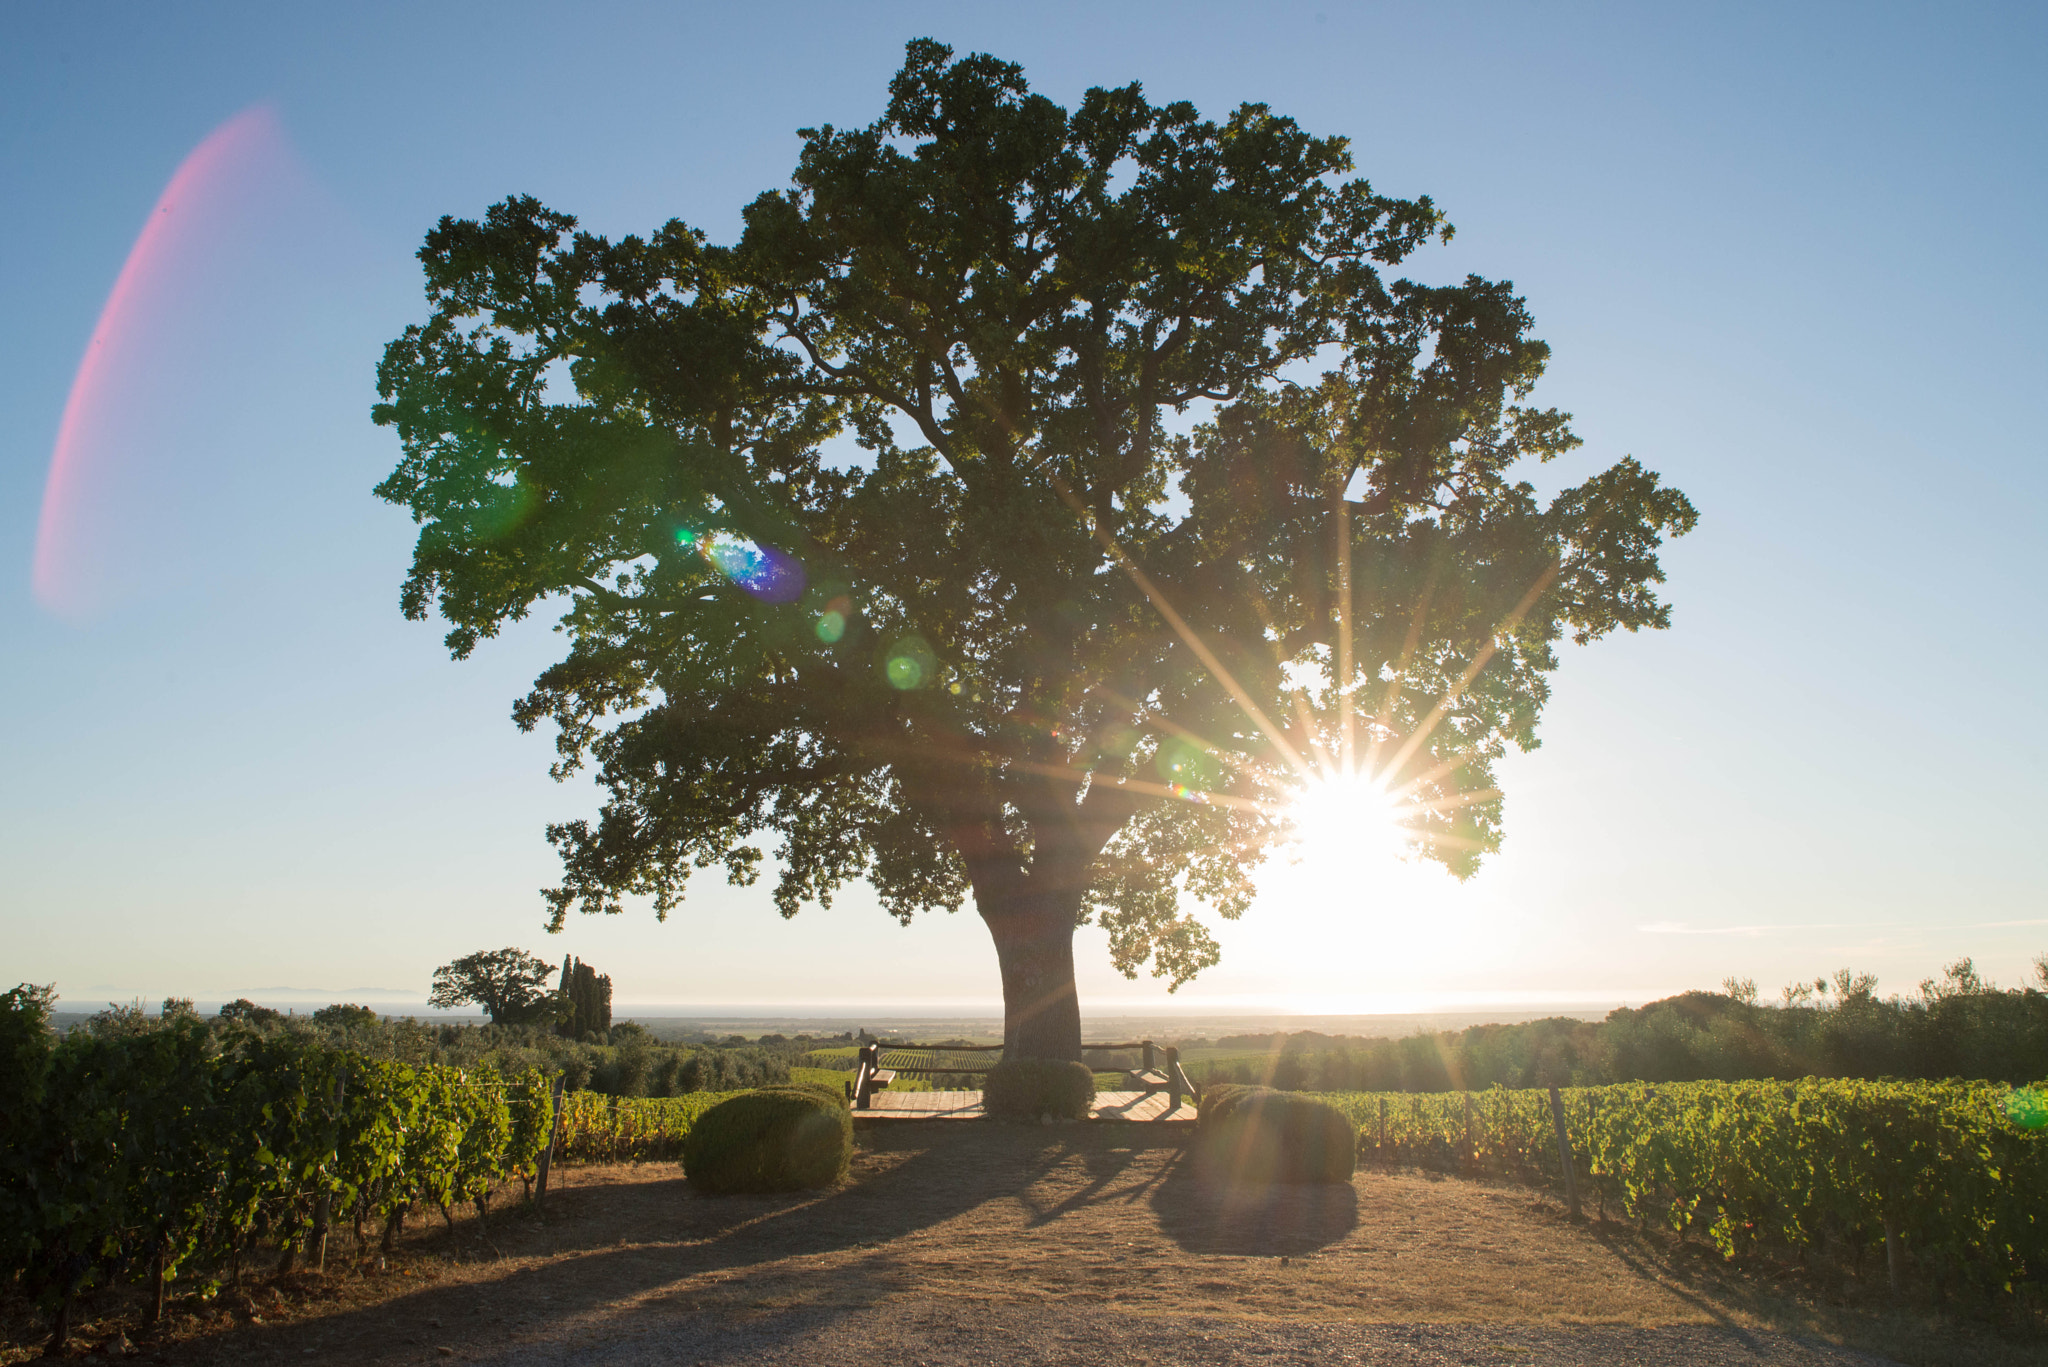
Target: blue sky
1787	256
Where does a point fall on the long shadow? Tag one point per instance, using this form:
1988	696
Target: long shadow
1106	1155
617	1256
1203	1210
1670	1282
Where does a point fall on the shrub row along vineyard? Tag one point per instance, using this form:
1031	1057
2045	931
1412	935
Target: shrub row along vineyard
1948	1174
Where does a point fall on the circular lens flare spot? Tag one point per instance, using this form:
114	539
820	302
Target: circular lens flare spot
910	664
1186	766
831	626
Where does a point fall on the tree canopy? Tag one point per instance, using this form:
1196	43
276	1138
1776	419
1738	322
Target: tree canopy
509	984
586	999
1030	503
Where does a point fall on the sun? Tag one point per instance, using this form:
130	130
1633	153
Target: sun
1347	820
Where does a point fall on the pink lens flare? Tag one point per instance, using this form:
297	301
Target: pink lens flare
178	218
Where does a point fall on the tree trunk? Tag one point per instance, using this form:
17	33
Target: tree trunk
1035	951
60	1329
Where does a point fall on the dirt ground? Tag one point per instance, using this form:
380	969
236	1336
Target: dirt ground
972	1242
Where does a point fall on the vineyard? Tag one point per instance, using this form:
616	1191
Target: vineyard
176	1154
1934	1172
603	1129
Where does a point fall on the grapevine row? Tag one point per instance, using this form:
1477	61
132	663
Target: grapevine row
172	1153
605	1129
1934	1170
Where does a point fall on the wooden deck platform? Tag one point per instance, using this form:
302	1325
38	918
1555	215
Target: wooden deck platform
891	1105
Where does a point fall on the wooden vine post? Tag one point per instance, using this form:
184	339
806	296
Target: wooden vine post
323	1209
547	1154
1564	1153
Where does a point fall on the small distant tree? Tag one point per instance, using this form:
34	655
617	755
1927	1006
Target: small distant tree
508	983
586	997
1959	979
345	1015
24	1043
242	1009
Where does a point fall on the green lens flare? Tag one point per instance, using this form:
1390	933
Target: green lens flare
831	626
685	537
2027	1108
1186	764
910	664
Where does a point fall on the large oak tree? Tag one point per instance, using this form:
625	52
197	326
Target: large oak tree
1028	506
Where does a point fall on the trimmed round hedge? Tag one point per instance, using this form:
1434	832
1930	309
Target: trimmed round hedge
1255	1134
1028	1088
775	1139
834	1093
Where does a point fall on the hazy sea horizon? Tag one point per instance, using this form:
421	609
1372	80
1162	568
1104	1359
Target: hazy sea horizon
916	1020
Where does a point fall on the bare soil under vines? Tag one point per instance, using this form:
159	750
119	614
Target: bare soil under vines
972	1242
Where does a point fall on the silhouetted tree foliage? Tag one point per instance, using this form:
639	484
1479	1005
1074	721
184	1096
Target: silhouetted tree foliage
509	984
1039	641
587	999
242	1009
345	1015
1958	1026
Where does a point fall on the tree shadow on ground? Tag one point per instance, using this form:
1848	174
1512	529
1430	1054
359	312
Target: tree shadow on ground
1204	1210
624	1257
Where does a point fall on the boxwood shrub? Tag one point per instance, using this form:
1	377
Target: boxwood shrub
1028	1088
833	1092
776	1139
1219	1099
1255	1134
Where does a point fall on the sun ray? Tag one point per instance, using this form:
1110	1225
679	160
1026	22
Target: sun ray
1446	804
1383	721
1421	734
1078	776
1160	721
1302	720
1346	742
1187	634
1431	775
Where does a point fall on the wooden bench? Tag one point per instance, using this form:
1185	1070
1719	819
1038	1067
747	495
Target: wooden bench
926	1060
869	1077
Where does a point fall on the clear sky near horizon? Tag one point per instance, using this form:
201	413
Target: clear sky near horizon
1788	256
